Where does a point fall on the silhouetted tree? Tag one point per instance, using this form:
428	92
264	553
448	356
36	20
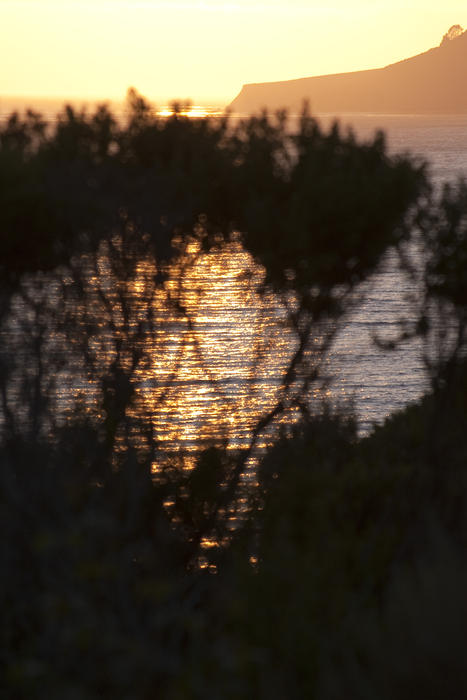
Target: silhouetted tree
453	32
135	572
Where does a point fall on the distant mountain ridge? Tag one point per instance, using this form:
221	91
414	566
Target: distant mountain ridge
433	82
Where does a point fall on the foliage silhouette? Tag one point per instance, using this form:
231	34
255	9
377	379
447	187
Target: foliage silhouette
136	572
452	33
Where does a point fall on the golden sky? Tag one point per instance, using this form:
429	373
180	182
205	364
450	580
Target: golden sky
204	50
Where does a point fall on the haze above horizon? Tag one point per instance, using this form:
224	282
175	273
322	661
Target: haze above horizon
203	51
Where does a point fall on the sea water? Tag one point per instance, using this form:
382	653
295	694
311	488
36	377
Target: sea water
382	382
236	346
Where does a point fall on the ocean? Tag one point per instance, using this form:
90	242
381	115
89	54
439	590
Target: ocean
383	382
236	348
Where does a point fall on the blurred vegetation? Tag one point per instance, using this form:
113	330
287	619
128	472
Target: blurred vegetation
334	568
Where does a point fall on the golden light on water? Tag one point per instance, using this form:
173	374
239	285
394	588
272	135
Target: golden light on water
228	350
197	360
192	112
202	355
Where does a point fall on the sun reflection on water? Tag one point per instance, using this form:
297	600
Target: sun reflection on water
229	347
193	360
190	111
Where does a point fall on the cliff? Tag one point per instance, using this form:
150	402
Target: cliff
431	82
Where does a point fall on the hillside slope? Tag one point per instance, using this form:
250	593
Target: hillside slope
430	83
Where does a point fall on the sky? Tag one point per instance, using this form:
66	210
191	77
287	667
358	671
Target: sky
204	50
